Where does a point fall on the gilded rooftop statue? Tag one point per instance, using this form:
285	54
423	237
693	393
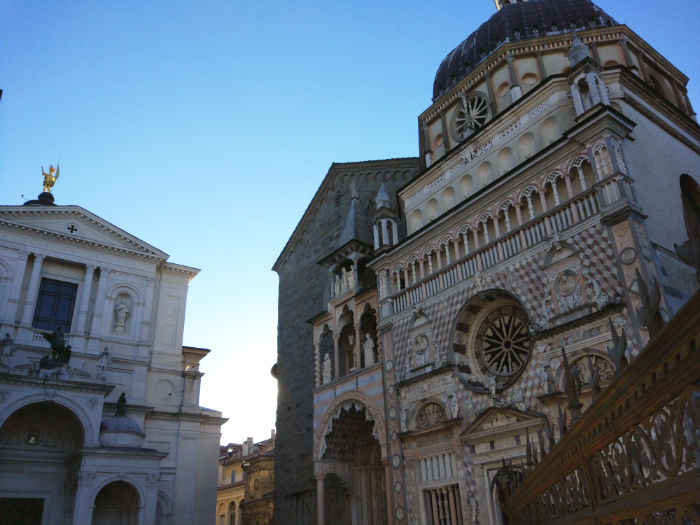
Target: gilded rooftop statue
50	178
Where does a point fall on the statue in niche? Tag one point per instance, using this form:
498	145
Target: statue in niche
350	276
368	347
121	314
103	361
454	406
421	351
351	349
404	420
336	285
8	347
326	369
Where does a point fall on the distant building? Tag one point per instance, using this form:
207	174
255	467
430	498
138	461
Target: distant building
246	483
424	302
71	451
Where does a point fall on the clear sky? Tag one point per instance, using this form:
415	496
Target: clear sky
205	127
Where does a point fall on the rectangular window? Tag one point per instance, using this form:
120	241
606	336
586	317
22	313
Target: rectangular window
442	506
54	305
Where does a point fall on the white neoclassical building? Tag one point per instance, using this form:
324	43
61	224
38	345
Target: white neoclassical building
69	451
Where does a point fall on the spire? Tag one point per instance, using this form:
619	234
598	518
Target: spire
578	50
356	227
382	198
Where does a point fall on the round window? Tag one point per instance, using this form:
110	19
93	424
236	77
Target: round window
492	341
470	117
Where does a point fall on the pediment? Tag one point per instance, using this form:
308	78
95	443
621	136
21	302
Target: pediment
75	224
496	418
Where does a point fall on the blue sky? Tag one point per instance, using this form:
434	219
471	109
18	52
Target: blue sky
204	128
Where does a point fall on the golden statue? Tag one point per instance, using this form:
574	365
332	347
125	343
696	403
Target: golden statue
50	178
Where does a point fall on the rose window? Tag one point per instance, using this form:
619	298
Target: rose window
492	342
471	116
503	341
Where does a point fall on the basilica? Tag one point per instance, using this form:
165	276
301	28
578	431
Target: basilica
427	305
99	400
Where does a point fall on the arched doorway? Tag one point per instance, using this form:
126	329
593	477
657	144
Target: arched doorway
355	488
39	438
116	504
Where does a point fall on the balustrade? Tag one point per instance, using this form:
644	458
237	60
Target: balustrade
634	455
559	219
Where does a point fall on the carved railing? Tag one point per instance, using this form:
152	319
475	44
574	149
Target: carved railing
634	455
561	218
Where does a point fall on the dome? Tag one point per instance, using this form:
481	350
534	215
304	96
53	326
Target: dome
121	431
120	424
513	23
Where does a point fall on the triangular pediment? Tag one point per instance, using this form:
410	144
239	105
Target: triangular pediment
495	418
75	224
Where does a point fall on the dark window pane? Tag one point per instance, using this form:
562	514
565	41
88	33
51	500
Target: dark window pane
55	305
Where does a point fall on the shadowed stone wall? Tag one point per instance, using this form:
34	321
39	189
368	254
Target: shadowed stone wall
304	290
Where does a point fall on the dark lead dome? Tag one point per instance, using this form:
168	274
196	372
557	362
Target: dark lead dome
516	22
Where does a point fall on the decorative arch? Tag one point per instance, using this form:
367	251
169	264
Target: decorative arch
429	414
464	229
484	217
527	192
505	205
446	240
413	259
552	177
578	161
90	436
125	478
128	288
428	250
397	269
346	400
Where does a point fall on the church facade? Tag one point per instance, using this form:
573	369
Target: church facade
102	423
423	328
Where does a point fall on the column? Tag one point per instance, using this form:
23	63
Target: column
11	315
317	360
376	236
85	298
320	498
395	231
581	178
98	316
385	233
358	346
336	360
389	492
530	207
32	290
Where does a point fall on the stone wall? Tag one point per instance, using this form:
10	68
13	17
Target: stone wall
304	292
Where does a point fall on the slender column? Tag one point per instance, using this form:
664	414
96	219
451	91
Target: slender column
507	219
32	290
389	492
317	360
332	281
358	345
553	184
422	270
465	239
395	231
355	275
85	298
439	258
569	187
447	254
376	236
530	207
486	233
413	271
518	215
581	178
476	239
496	226
543	203
430	263
385	233
336	356
11	315
320	499
405	277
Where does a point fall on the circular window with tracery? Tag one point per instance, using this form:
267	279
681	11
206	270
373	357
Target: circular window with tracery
492	342
503	341
471	117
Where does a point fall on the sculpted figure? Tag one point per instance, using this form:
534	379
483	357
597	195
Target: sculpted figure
50	178
103	362
454	406
404	420
326	369
8	347
121	313
368	347
421	352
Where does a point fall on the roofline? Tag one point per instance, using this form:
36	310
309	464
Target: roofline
334	168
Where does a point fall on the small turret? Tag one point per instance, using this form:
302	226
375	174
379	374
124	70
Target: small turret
385	221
